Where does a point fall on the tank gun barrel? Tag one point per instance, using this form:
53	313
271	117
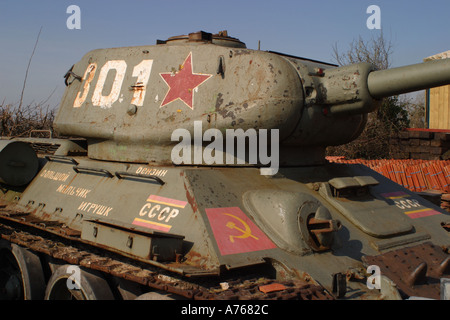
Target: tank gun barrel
385	83
359	88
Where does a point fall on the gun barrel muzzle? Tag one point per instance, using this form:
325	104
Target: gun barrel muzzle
390	82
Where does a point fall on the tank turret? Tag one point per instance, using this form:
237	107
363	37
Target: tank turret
128	101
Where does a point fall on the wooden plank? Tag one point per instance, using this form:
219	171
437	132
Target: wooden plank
434	111
445	106
440	108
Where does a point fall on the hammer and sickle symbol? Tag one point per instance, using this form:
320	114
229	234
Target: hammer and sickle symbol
246	232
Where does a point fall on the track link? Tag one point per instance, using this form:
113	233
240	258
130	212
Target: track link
72	252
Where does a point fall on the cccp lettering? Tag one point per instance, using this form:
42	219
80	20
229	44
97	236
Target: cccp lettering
162	213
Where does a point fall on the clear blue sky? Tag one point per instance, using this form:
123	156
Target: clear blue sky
417	29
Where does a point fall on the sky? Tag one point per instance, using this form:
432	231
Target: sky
416	28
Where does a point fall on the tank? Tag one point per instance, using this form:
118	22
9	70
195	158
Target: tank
195	169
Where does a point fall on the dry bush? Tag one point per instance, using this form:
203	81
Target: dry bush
374	141
22	121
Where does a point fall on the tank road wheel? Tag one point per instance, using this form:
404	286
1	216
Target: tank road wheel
73	283
21	274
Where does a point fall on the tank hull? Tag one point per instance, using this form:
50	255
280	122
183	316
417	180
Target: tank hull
220	222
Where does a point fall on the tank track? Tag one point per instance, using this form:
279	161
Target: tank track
72	252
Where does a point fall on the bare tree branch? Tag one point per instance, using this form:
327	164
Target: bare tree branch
26	72
376	51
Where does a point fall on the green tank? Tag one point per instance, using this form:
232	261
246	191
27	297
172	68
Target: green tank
195	169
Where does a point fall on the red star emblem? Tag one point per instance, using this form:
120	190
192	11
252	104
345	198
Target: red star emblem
183	83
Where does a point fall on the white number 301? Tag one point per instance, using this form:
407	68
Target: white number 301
99	98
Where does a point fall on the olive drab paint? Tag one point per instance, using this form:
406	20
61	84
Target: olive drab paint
253	192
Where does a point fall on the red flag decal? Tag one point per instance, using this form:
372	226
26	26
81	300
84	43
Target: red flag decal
235	232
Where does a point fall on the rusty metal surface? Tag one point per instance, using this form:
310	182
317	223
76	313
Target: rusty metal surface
10	214
416	270
255	289
210	289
